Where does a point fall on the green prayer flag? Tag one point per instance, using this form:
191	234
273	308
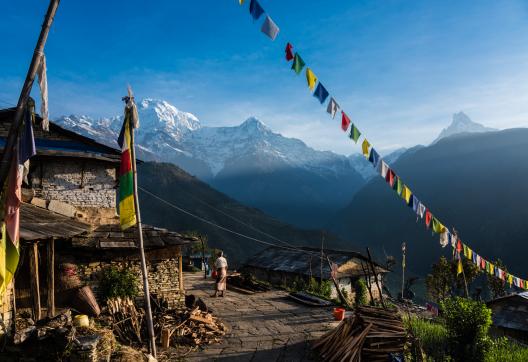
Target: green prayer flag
298	63
354	133
437	226
399	186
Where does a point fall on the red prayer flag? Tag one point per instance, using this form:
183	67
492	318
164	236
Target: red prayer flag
428	217
345	121
482	263
289	52
390	177
459	246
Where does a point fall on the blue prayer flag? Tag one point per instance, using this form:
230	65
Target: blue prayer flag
374	157
27	147
320	93
255	9
415	203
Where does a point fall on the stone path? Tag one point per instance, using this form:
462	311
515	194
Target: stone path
261	327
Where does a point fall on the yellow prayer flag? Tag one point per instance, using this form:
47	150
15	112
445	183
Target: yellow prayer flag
406	194
510	279
310	78
365	147
3	270
240	2
491	269
469	253
459	267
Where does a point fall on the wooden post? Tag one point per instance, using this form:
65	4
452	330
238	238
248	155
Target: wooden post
51	278
165	338
367	281
148	310
26	90
341	296
34	280
375	277
180	272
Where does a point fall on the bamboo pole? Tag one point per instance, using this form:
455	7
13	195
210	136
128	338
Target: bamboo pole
26	90
34	280
51	278
150	326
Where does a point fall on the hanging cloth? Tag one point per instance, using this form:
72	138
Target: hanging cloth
428	217
421	210
406	194
384	168
311	79
374	157
43	85
415	203
255	9
298	63
345	121
289	53
365	147
333	107
270	28
399	186
474	258
390	177
354	133
437	226
459	266
444	238
320	93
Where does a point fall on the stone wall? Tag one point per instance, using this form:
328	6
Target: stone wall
163	277
90	186
6	310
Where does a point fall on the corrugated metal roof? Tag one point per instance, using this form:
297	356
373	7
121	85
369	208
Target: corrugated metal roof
306	261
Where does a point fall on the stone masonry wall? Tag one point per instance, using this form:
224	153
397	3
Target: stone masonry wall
163	277
83	184
6	310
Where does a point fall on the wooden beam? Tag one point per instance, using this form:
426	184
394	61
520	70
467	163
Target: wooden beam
180	273
34	280
51	277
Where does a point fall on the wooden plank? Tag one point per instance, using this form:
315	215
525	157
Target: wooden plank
165	338
116	244
34	280
51	277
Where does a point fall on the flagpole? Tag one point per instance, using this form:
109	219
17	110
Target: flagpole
150	326
26	90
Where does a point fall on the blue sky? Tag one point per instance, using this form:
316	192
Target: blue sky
399	68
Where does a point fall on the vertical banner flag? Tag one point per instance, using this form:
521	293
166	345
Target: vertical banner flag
255	9
43	85
127	210
3	271
320	93
332	108
311	79
270	28
345	121
298	63
241	2
288	50
365	147
354	133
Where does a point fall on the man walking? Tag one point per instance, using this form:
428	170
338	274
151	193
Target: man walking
221	274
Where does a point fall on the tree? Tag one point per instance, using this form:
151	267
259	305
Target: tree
496	286
440	280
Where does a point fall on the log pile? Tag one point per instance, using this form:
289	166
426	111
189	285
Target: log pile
371	334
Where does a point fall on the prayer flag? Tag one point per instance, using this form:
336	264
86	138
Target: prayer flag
459	266
127	209
416	202
459	246
399	186
43	85
428	217
365	147
483	263
298	63
384	169
311	79
406	194
421	210
333	107
510	279
270	28
452	240
374	157
288	50
474	258
345	122
437	226
255	9
444	238
241	2
390	177
320	93
354	133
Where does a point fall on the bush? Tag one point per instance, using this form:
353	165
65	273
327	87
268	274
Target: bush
116	283
467	323
503	350
360	289
432	337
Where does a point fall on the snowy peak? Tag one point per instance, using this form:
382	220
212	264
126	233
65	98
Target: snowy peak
253	125
155	113
462	124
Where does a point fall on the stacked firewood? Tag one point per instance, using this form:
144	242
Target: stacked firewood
126	319
371	334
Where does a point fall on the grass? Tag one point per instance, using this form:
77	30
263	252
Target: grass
503	350
431	335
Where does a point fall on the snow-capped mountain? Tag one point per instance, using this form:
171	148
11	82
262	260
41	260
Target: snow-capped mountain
462	124
249	162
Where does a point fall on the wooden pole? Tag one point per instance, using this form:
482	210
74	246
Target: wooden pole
34	280
322	255
148	310
367	281
180	271
341	296
51	278
403	268
26	90
203	257
375	277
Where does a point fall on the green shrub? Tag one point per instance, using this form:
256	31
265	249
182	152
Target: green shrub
118	283
360	288
298	284
503	350
325	288
432	336
467	323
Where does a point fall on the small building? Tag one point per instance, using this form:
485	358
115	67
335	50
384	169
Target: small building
69	225
510	316
282	266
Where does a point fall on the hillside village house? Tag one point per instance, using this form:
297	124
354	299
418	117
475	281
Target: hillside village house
510	316
282	266
69	226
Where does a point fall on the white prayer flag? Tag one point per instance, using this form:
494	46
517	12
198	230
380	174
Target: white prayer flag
384	168
270	28
333	107
43	85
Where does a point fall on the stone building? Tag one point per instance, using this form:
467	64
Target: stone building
282	266
69	217
510	316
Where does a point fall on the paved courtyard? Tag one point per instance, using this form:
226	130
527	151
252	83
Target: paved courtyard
261	327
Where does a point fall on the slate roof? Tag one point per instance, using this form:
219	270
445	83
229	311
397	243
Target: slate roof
307	261
60	142
510	311
37	223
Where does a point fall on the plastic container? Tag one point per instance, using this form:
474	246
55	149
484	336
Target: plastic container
81	320
339	314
